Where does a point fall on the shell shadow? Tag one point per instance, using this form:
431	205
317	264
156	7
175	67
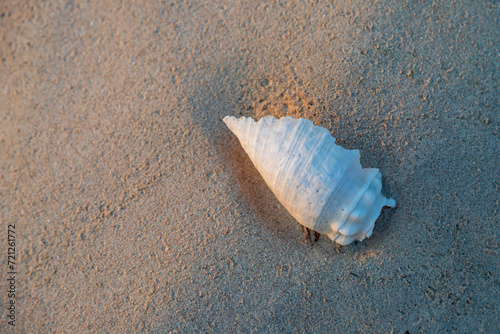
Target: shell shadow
256	196
383	226
245	185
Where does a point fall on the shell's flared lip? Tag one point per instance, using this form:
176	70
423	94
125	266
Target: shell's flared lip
347	239
360	222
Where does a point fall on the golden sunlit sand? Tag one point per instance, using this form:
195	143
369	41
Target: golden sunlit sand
137	211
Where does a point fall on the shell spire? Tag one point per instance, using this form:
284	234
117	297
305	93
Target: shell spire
321	184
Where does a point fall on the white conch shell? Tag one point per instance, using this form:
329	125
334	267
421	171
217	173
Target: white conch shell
322	185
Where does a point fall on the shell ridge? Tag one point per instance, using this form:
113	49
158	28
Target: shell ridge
306	164
249	133
258	128
295	136
356	201
292	160
365	187
320	220
266	124
327	208
299	170
262	127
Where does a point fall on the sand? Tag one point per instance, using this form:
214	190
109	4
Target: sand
137	210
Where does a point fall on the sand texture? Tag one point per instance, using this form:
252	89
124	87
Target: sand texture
137	210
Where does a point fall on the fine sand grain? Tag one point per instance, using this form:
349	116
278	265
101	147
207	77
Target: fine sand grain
137	210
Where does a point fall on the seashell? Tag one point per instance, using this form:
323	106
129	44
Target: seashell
322	185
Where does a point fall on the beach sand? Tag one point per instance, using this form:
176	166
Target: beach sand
137	210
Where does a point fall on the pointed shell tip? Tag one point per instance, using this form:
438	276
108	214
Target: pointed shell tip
230	121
